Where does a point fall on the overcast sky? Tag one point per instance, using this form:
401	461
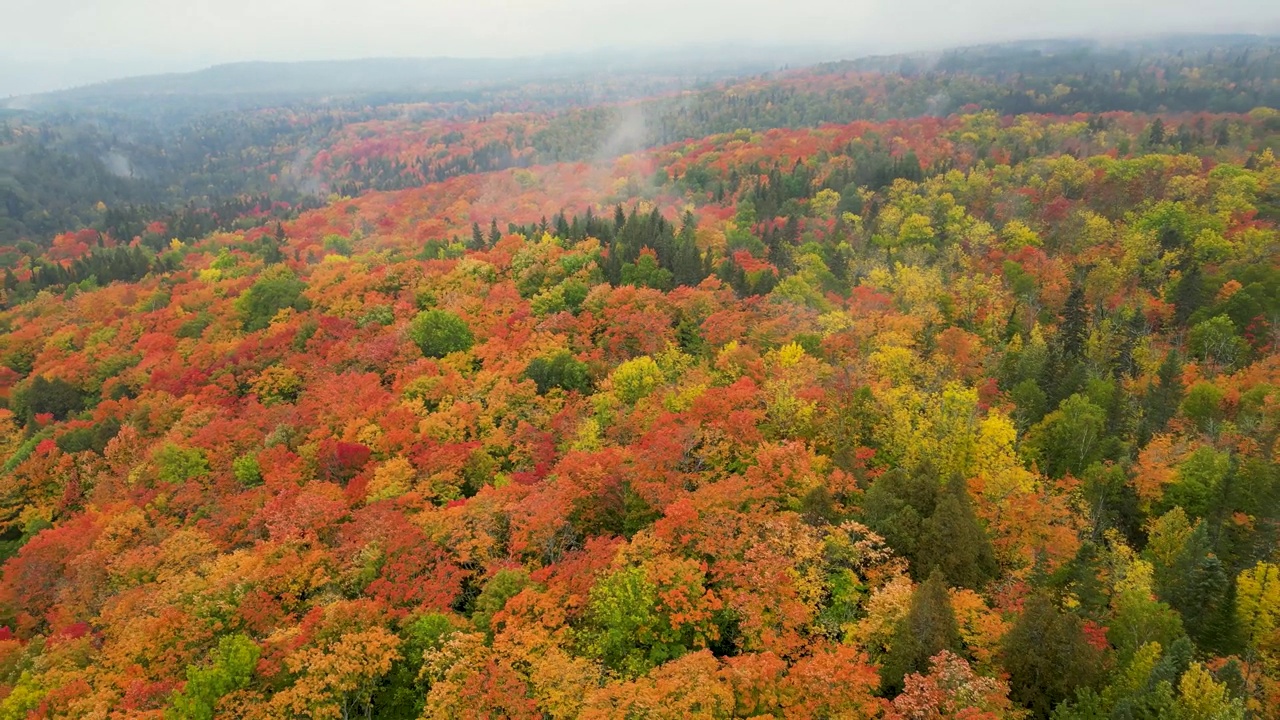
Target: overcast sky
45	43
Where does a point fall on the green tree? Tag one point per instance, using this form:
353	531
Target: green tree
687	265
1154	137
56	397
1074	330
247	470
1199	481
404	692
929	628
230	669
645	272
440	332
177	464
953	541
504	585
1048	656
276	289
1157	684
1162	401
625	628
897	505
1216	341
1068	439
1191	578
338	244
560	370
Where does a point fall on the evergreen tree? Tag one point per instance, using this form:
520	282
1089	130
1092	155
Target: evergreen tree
1074	330
1163	399
1190	294
1048	656
897	505
929	628
1198	586
687	267
952	541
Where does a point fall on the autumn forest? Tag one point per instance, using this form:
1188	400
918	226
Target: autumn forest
904	388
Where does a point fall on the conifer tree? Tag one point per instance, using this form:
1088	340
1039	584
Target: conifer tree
1048	656
929	628
955	542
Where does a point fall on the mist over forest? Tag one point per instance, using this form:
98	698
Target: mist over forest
640	361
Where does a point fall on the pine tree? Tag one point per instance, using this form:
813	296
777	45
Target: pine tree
687	267
1162	400
1048	656
929	628
1155	134
952	541
1198	586
1190	294
1074	330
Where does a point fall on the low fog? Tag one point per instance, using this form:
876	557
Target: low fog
60	43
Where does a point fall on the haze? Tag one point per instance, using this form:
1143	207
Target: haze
60	43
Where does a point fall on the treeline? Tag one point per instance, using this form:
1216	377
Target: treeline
1007	79
384	174
192	221
103	265
54	170
65	172
641	249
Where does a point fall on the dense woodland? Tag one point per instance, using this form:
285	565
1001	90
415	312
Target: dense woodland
158	154
815	403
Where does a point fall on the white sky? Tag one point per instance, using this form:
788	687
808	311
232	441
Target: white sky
44	42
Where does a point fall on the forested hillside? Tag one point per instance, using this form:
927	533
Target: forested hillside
807	396
155	150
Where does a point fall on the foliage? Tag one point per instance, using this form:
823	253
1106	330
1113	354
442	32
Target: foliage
231	668
876	392
440	332
560	370
275	290
636	379
176	464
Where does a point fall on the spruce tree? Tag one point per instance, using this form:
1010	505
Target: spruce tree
929	628
1048	656
953	541
1162	400
1074	330
687	267
896	507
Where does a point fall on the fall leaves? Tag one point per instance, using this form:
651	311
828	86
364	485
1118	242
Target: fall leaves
865	436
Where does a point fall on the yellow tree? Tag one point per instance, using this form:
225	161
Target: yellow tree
1258	612
337	679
